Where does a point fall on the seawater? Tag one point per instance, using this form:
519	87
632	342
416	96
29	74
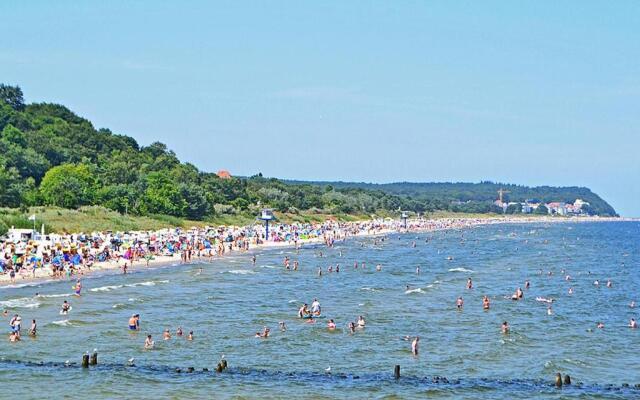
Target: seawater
226	302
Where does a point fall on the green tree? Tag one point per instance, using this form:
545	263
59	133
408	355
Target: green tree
12	95
162	196
541	210
68	186
197	206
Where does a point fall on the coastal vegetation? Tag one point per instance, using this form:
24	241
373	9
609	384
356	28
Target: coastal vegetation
58	163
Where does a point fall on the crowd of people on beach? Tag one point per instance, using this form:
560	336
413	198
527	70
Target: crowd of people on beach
59	256
72	256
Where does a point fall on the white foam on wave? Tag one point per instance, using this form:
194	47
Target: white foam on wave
368	289
418	290
55	295
133	300
293	301
22	302
64	322
118	305
106	288
268	266
147	283
460	269
240	272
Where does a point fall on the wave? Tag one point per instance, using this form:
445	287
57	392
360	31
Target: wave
240	272
22	302
118	305
64	322
55	295
147	283
369	289
106	288
268	266
418	290
109	288
460	269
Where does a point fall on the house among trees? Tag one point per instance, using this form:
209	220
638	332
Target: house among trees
223	174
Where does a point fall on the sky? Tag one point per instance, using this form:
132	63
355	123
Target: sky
526	92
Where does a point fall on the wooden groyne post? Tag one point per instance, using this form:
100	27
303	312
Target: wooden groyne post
396	372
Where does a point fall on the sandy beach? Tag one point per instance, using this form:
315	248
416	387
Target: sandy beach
353	229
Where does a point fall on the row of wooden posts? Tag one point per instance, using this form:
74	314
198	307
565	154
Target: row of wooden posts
222	365
559	380
92	359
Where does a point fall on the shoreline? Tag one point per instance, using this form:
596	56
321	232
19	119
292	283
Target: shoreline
43	274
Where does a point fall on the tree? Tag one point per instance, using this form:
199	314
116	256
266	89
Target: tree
12	95
514	208
162	196
196	201
541	210
68	186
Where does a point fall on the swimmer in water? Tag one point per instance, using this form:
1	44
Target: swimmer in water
469	284
632	304
264	334
459	303
190	335
78	288
527	284
134	322
331	325
378	267
253	260
315	307
303	311
179	331
609	284
65	308
632	323
319	271
485	303
600	325
166	335
596	283
148	342
549	311
414	346
352	327
34	328
505	327
361	322
283	327
417	270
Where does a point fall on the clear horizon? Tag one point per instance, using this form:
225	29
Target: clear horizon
529	93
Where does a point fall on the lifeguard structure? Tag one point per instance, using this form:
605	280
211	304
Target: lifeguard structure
266	215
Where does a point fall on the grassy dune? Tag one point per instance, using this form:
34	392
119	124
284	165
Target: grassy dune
94	218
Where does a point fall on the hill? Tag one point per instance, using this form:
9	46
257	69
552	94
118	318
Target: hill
475	196
49	156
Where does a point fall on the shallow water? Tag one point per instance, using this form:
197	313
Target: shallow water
230	300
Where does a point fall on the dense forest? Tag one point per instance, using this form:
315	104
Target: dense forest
49	156
477	197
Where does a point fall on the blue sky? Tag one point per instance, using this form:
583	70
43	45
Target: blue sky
522	92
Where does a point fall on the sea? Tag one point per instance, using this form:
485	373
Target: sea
462	355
